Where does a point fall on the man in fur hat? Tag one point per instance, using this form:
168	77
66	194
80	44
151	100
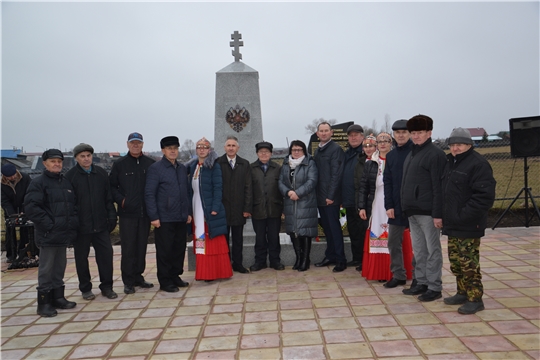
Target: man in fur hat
421	201
169	209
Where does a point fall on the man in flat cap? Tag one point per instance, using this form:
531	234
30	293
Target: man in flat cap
97	219
50	204
330	159
267	208
128	180
169	209
355	159
14	186
468	194
421	201
397	221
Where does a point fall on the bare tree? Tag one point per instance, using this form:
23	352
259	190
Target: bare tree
187	150
312	127
387	124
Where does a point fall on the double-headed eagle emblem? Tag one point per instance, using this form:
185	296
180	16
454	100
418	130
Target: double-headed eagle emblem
237	118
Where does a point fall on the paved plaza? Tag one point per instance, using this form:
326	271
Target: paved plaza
286	314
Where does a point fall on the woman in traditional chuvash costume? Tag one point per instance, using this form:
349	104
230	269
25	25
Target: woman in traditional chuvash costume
209	221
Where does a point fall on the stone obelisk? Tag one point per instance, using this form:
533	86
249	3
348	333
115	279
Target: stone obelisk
238	104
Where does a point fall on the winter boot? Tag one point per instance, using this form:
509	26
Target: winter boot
45	307
59	301
305	244
457	299
296	246
471	307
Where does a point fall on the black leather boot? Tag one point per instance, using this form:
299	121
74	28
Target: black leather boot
296	246
305	244
59	301
45	307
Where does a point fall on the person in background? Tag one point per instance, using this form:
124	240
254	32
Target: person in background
371	197
128	180
297	183
209	220
355	158
14	187
169	209
267	208
237	196
50	203
97	219
399	237
421	201
468	194
330	159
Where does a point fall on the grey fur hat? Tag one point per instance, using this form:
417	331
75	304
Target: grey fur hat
460	136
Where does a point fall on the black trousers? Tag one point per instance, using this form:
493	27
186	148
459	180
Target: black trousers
267	240
237	246
357	232
170	251
134	240
101	242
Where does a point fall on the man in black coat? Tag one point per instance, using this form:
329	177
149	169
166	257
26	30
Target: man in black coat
397	221
237	195
14	186
267	208
468	194
421	201
330	159
128	179
50	204
97	218
355	159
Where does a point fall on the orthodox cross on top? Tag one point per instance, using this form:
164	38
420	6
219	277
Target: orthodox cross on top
236	43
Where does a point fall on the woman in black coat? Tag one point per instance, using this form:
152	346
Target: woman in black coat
297	182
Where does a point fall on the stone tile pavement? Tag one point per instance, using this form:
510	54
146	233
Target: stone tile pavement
285	315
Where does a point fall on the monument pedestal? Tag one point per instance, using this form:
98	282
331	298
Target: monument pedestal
238	109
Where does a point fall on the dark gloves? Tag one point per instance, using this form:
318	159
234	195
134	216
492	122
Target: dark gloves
112	224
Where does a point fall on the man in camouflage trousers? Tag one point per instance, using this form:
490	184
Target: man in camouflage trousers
468	194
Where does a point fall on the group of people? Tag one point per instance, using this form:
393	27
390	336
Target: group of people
399	192
394	189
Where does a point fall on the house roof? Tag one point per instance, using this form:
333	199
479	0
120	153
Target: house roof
477	131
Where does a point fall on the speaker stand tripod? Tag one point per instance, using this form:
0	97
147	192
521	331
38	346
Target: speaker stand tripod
527	190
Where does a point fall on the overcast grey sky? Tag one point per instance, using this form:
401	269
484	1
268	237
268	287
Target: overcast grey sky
94	72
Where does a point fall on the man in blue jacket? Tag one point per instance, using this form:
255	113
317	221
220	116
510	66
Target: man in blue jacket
330	158
397	221
169	210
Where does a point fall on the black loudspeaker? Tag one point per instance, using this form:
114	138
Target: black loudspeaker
525	136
